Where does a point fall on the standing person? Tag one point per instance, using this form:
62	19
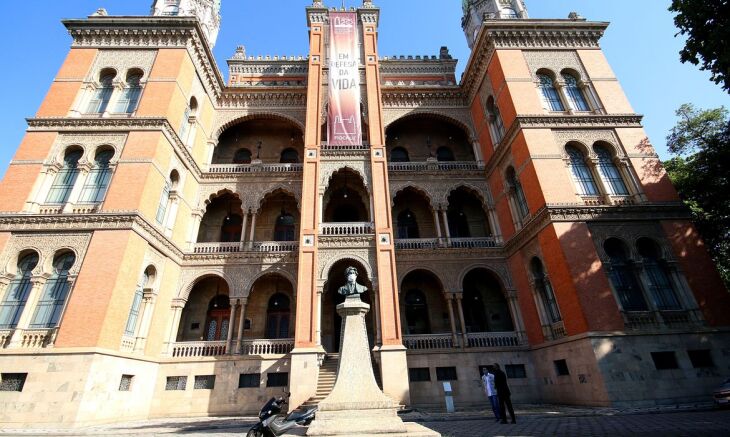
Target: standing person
500	382
491	391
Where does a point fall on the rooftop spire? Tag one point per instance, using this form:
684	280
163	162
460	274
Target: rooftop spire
208	13
476	11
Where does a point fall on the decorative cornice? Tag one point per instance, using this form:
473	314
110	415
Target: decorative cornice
122	124
266	97
151	32
399	98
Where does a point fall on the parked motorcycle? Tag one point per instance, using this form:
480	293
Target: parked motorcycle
273	423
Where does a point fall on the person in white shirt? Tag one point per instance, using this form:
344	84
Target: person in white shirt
491	391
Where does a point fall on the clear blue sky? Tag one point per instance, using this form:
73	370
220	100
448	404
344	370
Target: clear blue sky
639	44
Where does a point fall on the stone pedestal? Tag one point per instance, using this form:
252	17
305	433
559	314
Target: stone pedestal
356	405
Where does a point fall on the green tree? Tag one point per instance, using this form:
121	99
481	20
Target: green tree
706	23
700	170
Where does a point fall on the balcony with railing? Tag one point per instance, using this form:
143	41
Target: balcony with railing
445	166
472	340
657	320
249	246
347	229
253	347
27	338
255	168
447	243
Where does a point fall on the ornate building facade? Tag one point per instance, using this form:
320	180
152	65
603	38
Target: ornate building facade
171	243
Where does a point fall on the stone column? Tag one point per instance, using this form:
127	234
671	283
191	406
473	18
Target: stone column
231	323
446	226
243	228
318	329
450	303
173	204
209	159
514	309
177	308
146	310
477	153
197	217
378	332
253	229
40	189
437	225
73	198
460	309
241	326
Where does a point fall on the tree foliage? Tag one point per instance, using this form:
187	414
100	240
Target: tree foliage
700	170
706	23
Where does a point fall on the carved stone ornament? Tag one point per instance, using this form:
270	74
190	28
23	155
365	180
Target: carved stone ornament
89	143
555	61
328	257
588	138
122	61
239	277
46	246
251	194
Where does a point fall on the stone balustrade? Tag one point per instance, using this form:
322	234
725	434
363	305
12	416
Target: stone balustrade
280	346
5	335
188	349
28	338
342	148
127	344
255	246
417	243
355	228
255	168
193	349
454	243
493	339
473	243
434	165
429	341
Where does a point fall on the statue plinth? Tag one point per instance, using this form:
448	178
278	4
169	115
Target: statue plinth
356	405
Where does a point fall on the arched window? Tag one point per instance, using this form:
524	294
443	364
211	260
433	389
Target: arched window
18	291
658	274
575	95
187	124
581	173
164	200
399	154
609	173
56	291
277	316
517	194
66	178
444	153
97	182
289	156
545	291
103	93
285	227
458	223
496	124
231	228
131	327
127	102
417	321
623	277
171	10
407	225
218	318
242	156
550	97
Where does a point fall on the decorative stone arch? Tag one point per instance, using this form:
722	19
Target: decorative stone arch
230	120
630	248
327	266
328	172
286	274
47	261
207	199
184	292
10	268
447	116
257	203
500	272
482	194
398	188
440	276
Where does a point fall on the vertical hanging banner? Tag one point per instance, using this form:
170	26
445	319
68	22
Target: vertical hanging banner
344	124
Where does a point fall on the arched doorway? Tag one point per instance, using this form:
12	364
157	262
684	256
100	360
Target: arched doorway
223	220
346	199
278	218
270	140
466	215
206	315
413	215
423	307
270	308
422	136
484	305
331	321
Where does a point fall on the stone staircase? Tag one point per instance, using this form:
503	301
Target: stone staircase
328	376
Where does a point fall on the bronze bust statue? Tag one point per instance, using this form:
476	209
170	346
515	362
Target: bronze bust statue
352	288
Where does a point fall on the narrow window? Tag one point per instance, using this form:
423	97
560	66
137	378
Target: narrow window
125	384
65	180
445	154
610	173
446	374
285	227
242	156
277	379
658	274
575	95
416	309
18	291
127	102
515	371
496	124
665	360
545	290
701	358
12	381
97	182
176	383
56	291
550	97
162	207
103	94
130	329
561	367
399	154
623	277
419	374
582	175
204	382
249	380
278	314
407	225
517	194
289	156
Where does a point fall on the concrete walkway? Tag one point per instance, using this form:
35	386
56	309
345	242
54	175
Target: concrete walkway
535	420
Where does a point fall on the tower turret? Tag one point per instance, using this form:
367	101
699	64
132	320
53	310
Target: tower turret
208	12
476	11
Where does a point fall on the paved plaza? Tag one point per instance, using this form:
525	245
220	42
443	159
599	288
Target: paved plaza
532	421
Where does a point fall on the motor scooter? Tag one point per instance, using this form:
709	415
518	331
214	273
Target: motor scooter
273	423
